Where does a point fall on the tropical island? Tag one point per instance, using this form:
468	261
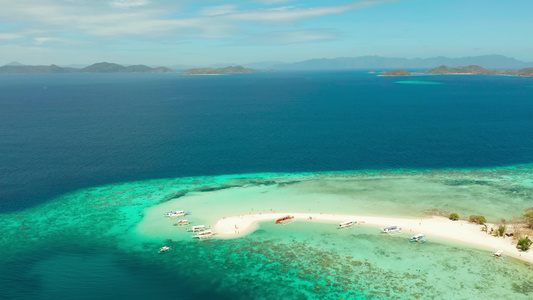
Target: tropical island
219	71
468	70
474	231
103	67
509	228
478	70
397	72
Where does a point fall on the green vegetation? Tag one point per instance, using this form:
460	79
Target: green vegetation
397	72
529	219
501	230
525	72
478	70
524	244
462	70
454	217
477	219
502	227
217	71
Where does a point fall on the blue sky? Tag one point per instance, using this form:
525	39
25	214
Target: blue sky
202	32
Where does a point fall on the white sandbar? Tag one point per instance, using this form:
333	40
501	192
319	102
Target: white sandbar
438	227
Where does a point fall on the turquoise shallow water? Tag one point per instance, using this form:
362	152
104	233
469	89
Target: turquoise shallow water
101	242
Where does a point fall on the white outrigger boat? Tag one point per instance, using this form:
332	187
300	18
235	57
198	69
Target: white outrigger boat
392	229
347	224
165	249
204	234
182	223
177	213
498	253
421	238
197	228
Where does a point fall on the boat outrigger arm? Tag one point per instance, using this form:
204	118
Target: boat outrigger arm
198	228
347	224
391	229
421	238
204	234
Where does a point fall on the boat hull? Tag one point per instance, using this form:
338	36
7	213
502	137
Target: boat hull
285	219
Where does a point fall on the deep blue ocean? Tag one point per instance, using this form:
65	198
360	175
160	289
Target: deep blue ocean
62	132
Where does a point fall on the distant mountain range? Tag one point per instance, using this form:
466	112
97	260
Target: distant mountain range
379	62
14	63
497	62
104	67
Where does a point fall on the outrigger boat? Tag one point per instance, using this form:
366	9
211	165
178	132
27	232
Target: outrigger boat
421	238
165	249
285	220
204	234
182	223
177	213
392	229
197	228
498	253
347	224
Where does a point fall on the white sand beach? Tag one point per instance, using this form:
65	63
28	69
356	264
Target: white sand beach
434	227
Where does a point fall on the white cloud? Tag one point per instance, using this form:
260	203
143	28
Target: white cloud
128	3
218	10
10	36
286	37
286	15
151	20
271	2
42	40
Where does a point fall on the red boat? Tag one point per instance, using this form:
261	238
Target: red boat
284	219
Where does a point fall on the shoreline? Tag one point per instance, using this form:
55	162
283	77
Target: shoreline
460	231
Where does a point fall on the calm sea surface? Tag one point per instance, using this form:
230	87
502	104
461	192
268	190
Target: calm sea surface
62	132
69	139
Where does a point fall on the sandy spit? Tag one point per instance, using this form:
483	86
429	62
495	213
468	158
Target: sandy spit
438	227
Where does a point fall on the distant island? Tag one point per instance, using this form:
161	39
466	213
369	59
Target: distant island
397	72
105	67
478	70
468	70
390	63
219	71
102	67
